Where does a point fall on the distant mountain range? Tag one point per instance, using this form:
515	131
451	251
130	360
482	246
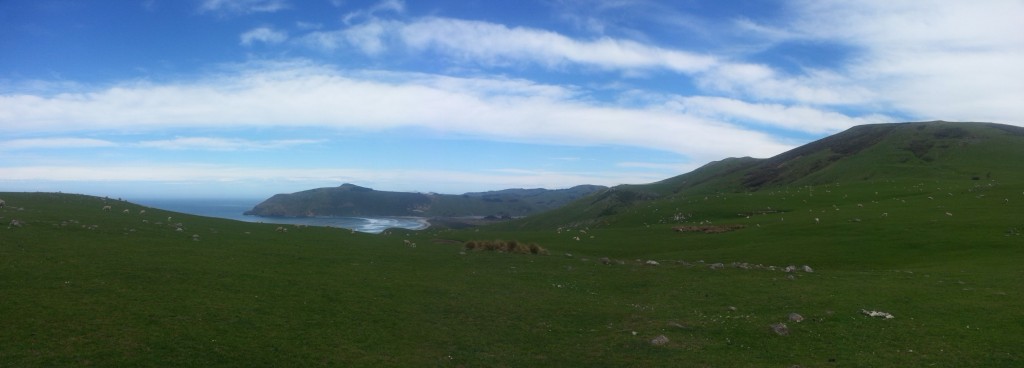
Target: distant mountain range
354	200
899	152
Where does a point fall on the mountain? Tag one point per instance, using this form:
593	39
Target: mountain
354	200
915	152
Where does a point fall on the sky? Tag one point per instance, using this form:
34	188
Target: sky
249	98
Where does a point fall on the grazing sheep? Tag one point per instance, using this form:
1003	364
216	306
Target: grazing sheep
142	212
126	211
2	203
14	223
106	208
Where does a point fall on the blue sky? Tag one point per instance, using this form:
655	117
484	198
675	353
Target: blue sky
248	98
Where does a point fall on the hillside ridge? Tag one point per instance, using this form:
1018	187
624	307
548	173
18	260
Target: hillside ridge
353	200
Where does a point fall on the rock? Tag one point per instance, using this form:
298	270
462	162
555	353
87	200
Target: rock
808	269
605	260
660	340
732	309
877	314
789	269
717	266
795	317
651	262
780	328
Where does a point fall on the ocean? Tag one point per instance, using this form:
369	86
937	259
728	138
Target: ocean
233	209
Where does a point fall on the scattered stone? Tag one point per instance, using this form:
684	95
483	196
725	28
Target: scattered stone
660	340
732	309
796	317
790	277
780	328
716	266
568	255
651	262
808	269
789	269
605	260
877	314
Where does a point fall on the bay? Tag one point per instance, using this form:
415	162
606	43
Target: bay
234	209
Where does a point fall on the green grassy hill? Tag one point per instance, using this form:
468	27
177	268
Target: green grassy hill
960	154
931	236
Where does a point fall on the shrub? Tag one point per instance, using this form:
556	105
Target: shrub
506	247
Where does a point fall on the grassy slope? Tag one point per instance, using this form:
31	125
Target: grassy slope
246	295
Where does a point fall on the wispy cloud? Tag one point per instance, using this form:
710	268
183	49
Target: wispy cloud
243	6
798	118
496	44
263	34
54	143
305	95
931	59
222	144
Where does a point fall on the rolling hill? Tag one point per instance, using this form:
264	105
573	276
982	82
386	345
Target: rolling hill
967	153
353	200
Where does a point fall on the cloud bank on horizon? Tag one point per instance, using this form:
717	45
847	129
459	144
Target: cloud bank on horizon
254	97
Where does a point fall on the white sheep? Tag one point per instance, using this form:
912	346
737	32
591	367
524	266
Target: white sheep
2	203
106	208
142	212
126	211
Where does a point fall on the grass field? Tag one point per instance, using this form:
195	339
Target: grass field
81	286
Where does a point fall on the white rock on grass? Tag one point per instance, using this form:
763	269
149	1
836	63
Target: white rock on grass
795	317
877	314
652	263
660	340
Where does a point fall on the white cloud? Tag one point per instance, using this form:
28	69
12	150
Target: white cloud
312	96
54	143
222	144
243	6
496	44
263	34
762	82
791	117
385	6
930	59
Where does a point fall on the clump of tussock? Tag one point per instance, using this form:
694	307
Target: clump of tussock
512	246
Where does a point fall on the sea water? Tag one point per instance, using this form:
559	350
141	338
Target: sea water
234	209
